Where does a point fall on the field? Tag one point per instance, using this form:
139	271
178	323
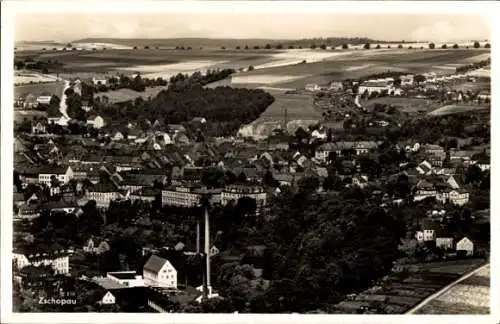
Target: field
38	89
300	111
400	292
20	115
470	296
454	109
339	65
122	95
409	105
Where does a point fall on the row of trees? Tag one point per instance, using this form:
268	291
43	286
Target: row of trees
473	66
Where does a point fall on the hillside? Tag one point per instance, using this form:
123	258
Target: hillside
229	43
172	42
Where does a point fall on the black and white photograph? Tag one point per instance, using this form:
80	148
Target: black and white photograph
237	161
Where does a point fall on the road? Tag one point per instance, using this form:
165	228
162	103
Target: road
445	289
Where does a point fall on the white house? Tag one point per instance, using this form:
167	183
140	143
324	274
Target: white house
96	121
313	87
108	299
63	174
99	81
377	86
426	235
118	136
54	256
44	100
458	197
38	128
159	272
465	244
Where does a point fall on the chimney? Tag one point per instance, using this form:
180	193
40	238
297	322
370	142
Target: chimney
207	247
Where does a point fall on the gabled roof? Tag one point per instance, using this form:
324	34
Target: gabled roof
154	263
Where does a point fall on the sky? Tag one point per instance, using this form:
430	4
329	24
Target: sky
414	27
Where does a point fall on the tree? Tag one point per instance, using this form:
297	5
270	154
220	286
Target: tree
223	47
444	46
268	46
477	45
378	46
487	45
251	68
279	46
400	46
366	46
455	46
474	174
419	78
246	47
313	46
323	46
432	45
237	47
345	46
146	47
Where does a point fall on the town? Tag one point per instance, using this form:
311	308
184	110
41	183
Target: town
181	195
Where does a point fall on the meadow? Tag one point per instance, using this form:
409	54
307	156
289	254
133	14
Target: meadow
455	109
39	89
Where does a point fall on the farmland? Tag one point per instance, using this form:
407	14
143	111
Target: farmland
46	88
300	111
470	296
401	291
455	109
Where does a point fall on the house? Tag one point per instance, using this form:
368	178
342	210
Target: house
360	181
107	299
186	195
427	231
61	173
96	121
52	255
433	149
101	81
466	245
118	136
180	138
60	206
103	193
38	128
159	272
444	243
406	80
375	86
335	86
235	192
148	194
199	120
214	251
458	197
176	128
28	212
424	168
43	100
95	246
312	87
